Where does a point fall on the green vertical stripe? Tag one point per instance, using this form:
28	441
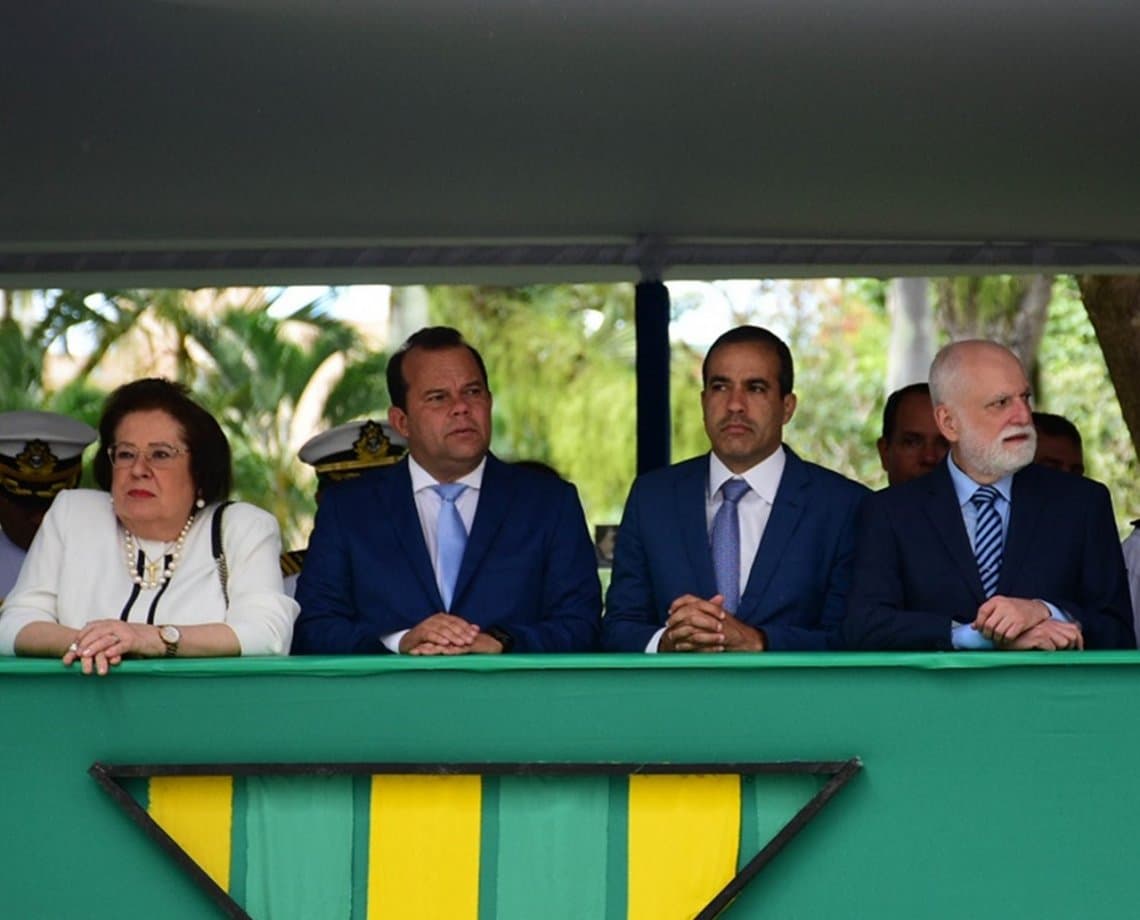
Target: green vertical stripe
361	809
239	841
552	853
489	850
300	836
767	803
617	853
138	788
750	843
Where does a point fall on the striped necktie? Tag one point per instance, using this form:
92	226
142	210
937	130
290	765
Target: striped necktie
450	539
726	543
987	538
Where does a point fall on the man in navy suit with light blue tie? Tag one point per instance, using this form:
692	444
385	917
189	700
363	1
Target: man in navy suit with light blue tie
747	548
989	550
450	551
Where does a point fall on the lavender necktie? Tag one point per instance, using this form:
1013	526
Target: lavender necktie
450	539
726	543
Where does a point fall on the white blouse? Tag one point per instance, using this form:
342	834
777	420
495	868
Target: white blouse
76	571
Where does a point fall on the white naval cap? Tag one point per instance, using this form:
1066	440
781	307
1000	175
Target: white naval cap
350	449
41	453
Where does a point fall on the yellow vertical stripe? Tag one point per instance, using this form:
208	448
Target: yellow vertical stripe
197	812
684	832
423	848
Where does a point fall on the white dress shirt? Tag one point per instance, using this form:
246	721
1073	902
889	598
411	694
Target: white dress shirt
755	507
428	505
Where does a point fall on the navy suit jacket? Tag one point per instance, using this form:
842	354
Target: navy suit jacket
529	566
797	589
915	572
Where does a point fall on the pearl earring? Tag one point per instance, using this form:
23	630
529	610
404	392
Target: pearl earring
200	503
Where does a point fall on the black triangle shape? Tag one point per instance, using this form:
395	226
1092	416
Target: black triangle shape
110	778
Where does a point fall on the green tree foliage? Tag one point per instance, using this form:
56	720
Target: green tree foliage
24	348
561	364
258	370
1074	382
839	342
1011	309
252	370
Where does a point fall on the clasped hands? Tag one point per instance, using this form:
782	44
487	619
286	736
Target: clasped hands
699	625
1021	624
102	644
447	634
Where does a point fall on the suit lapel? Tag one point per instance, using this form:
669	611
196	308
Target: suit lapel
1024	521
396	498
495	499
946	519
689	496
787	509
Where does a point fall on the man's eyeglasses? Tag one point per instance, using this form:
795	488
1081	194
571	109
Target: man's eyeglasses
155	455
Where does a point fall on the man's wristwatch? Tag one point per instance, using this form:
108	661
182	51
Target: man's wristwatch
170	636
504	638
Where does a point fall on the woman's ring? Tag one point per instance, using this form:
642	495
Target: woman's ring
74	647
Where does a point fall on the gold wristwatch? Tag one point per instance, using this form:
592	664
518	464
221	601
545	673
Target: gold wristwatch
170	636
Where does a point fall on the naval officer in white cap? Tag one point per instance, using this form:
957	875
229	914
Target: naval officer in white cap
41	453
343	453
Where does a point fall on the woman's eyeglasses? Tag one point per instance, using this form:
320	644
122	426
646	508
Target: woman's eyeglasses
155	455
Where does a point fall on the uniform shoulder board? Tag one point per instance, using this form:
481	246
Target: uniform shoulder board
292	561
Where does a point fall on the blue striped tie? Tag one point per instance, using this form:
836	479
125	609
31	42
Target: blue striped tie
987	538
726	543
450	539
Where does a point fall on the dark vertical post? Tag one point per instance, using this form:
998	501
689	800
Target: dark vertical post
654	424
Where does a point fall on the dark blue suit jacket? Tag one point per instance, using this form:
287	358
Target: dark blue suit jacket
797	589
529	567
915	572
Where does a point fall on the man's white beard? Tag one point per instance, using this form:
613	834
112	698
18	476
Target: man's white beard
996	459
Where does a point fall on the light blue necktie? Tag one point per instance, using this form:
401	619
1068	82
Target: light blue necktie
450	539
726	543
987	538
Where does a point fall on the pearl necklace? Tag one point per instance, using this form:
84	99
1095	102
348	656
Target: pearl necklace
154	574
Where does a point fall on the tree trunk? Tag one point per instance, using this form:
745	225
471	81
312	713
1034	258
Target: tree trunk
911	347
1113	305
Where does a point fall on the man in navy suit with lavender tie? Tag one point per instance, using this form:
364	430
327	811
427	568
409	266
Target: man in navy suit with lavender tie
450	551
747	548
989	550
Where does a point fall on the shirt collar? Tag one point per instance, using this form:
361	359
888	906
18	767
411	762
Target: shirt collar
763	478
422	479
965	487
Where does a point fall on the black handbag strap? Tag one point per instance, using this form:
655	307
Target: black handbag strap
219	551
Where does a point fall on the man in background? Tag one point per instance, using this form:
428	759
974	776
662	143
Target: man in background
911	444
41	453
338	455
1058	444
